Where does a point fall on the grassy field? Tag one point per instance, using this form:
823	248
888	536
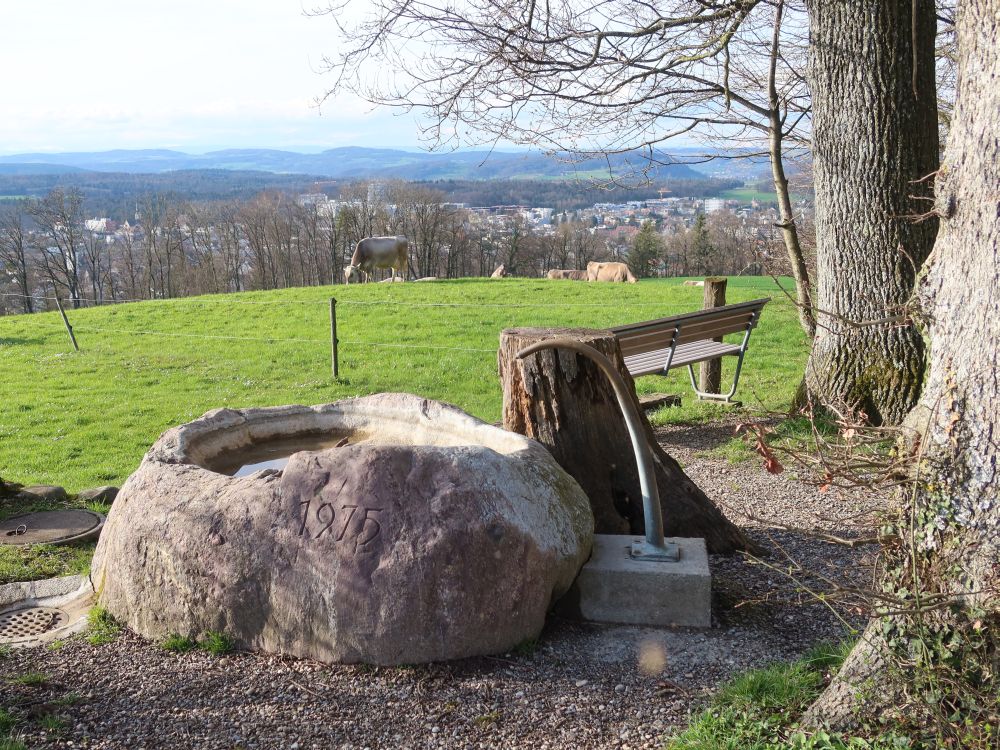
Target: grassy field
748	194
85	418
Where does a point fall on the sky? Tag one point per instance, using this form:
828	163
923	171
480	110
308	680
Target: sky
191	75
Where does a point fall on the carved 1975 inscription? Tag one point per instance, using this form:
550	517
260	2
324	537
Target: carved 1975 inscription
353	524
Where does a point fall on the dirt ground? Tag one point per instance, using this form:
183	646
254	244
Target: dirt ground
581	686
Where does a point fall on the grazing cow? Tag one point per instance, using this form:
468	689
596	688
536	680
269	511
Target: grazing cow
559	273
500	273
377	252
609	272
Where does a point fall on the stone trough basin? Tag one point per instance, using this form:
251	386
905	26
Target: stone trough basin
430	535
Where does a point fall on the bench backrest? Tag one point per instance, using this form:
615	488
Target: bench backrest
702	325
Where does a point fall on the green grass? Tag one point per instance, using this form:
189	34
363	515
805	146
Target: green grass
86	418
748	194
527	647
736	450
216	643
7	722
52	723
81	419
33	679
177	643
793	433
758	710
102	627
43	561
98	506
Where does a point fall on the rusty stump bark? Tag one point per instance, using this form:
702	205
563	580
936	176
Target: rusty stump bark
563	401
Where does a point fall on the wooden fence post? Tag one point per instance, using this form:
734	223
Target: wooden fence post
333	336
69	328
711	371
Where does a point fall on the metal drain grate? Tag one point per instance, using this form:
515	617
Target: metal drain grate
29	622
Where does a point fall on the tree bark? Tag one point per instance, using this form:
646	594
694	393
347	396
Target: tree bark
710	372
953	542
563	401
871	73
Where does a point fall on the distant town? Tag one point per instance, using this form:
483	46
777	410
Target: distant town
168	247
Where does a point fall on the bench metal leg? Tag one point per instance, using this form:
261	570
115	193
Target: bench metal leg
726	398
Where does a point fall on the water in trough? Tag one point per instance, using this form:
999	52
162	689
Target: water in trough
275	452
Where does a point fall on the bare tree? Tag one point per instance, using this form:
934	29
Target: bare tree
594	76
126	258
14	251
96	263
231	245
254	221
59	219
197	228
424	218
512	243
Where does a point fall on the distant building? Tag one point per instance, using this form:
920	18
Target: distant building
311	199
712	205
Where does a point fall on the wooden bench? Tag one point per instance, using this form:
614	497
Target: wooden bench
653	347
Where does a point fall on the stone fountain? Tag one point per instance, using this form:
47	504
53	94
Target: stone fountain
398	530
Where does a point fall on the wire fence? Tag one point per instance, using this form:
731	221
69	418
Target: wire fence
89	328
86	327
358	303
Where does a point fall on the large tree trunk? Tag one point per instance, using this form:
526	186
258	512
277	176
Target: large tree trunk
562	400
871	73
952	548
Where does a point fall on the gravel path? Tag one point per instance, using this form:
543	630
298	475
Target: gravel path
582	686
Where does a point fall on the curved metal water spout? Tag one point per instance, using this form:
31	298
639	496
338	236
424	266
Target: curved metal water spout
653	547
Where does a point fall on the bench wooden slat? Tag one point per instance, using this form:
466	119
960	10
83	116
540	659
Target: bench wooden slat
687	354
652	362
645	342
646	346
722	317
662	334
699	315
700	331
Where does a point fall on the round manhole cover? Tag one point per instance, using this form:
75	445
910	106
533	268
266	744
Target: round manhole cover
29	622
51	527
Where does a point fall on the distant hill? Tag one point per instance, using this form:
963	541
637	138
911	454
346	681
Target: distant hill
350	163
38	168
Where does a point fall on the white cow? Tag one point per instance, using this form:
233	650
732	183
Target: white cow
377	252
609	272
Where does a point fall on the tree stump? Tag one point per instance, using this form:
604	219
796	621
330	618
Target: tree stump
566	403
711	370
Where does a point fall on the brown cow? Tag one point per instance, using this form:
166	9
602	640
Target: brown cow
609	272
558	273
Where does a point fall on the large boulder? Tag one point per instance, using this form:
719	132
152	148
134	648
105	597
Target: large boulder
429	536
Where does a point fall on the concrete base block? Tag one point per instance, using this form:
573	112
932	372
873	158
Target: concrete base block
612	587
